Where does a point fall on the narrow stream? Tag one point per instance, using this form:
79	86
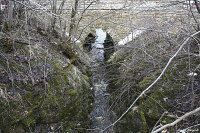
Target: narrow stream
100	115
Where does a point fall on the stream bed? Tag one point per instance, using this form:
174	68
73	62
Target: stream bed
100	115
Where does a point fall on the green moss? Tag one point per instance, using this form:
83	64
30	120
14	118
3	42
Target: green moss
167	120
145	82
2	85
66	98
144	122
73	92
132	123
7	45
69	102
67	50
140	67
29	122
43	113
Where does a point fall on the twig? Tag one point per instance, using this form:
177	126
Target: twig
186	129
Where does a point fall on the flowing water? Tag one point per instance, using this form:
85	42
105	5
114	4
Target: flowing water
100	116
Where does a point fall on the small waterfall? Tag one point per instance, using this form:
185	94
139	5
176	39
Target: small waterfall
100	115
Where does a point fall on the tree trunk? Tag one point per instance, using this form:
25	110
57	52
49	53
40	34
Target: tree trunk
53	19
10	14
73	22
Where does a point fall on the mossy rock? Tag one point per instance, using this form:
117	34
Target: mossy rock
67	50
41	31
60	96
7	45
133	122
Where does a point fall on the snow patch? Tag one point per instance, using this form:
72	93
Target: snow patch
145	5
76	40
130	37
192	74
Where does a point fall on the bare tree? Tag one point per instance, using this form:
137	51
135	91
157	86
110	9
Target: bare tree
56	9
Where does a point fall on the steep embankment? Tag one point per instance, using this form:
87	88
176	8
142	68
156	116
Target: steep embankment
135	65
40	88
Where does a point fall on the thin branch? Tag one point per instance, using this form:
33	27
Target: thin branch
178	120
148	88
184	130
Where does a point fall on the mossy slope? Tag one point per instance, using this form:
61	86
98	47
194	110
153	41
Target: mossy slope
41	90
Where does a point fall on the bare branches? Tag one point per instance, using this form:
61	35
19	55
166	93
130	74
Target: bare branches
178	120
45	10
155	81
